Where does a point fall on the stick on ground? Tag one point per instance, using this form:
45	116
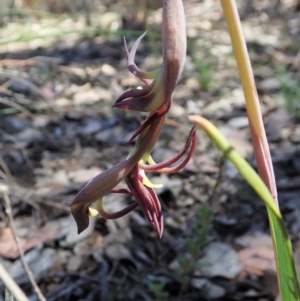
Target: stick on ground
4	190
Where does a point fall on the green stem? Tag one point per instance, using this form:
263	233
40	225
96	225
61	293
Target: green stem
261	147
286	271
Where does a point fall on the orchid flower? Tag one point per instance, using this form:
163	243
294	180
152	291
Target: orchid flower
154	98
133	171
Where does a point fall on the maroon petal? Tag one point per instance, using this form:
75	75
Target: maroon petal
176	168
177	157
145	103
117	214
147	200
158	217
134	93
132	67
95	189
150	119
103	183
120	190
80	214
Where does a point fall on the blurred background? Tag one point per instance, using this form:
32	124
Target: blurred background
62	65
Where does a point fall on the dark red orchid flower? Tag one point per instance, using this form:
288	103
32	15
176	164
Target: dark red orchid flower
154	98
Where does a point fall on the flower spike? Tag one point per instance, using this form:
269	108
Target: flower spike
155	98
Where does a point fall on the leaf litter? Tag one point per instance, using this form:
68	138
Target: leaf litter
66	132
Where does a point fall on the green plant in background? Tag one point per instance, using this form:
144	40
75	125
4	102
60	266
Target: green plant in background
203	63
157	288
116	293
290	90
205	74
194	246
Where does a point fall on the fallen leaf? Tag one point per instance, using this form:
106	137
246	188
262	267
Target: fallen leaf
255	239
8	246
256	260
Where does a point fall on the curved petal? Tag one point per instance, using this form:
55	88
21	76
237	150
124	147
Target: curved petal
120	190
150	119
176	168
95	189
146	77
80	214
159	167
147	200
148	99
146	135
134	92
145	103
102	184
117	214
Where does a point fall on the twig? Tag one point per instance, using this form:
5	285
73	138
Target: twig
11	285
4	191
6	170
16	106
50	203
218	181
23	81
64	290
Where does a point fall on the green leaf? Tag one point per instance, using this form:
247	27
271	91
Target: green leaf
286	271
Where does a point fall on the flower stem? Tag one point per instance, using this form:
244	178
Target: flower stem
260	143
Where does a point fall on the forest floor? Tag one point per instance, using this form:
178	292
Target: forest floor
58	80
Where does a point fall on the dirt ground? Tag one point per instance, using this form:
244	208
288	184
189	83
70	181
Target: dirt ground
60	73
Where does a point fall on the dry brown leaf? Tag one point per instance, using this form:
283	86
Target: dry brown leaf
8	246
256	260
